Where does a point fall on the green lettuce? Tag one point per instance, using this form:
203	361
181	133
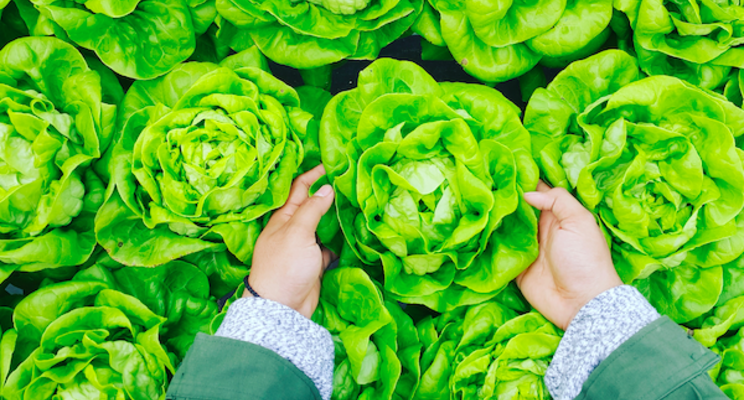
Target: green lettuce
498	40
56	119
177	291
729	374
486	351
204	154
728	313
81	339
140	39
8	339
429	180
3	4
655	159
734	88
315	33
377	349
698	41
11	24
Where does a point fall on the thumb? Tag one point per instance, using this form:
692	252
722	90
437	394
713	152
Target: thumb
308	215
562	204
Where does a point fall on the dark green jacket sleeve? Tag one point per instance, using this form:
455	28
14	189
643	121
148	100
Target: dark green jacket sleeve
659	362
218	368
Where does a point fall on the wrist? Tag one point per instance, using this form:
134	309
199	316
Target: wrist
256	289
581	301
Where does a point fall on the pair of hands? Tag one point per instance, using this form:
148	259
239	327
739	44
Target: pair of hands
574	263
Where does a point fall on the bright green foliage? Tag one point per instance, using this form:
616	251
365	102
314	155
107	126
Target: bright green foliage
84	340
8	339
376	344
311	34
729	374
177	291
140	39
205	152
11	24
734	87
655	159
56	118
497	40
3	3
698	41
728	314
486	351
429	180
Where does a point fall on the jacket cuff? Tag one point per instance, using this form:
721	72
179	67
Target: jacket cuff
283	330
599	328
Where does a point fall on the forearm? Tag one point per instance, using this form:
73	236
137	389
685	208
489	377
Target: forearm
283	330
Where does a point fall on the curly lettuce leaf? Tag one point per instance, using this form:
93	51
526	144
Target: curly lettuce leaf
178	291
500	40
86	340
377	345
485	351
699	42
313	34
140	39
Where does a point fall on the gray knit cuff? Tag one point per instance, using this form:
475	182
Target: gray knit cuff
283	330
599	328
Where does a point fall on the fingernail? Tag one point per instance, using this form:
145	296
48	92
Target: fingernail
324	191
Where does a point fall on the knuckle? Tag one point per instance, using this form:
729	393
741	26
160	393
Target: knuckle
560	191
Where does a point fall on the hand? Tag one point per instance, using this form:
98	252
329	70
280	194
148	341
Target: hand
288	263
574	264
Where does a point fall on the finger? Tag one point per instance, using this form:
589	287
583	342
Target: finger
545	226
542	186
305	220
299	192
559	202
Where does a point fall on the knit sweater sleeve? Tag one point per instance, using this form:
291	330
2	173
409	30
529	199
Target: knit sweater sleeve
288	333
599	328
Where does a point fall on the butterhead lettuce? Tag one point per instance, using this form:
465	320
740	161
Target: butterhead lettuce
81	339
429	180
698	41
656	160
498	40
56	119
140	39
205	152
314	33
486	351
377	349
